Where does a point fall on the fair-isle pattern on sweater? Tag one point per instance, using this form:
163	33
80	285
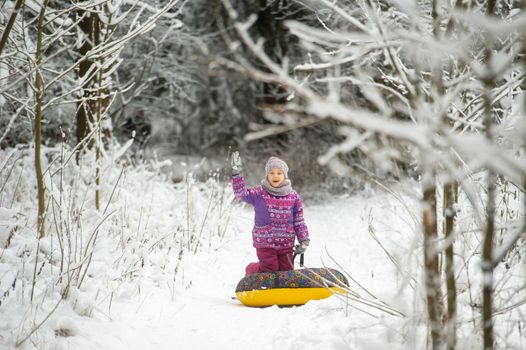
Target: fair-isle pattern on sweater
278	220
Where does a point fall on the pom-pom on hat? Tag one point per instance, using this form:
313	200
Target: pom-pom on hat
276	163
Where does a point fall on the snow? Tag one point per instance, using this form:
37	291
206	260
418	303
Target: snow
195	311
4	73
166	263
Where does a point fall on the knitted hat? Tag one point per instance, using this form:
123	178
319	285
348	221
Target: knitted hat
276	163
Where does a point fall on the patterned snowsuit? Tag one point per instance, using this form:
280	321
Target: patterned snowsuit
278	222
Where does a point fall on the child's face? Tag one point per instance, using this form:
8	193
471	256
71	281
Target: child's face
275	177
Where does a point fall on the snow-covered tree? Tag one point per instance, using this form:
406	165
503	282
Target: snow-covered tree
69	64
432	85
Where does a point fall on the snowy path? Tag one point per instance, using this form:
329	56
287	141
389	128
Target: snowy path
201	314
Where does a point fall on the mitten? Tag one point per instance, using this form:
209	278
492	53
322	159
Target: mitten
237	166
301	248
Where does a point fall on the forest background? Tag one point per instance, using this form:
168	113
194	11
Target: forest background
349	93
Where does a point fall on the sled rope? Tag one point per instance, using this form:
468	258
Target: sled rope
302	259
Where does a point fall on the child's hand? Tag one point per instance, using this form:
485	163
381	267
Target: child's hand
301	248
237	165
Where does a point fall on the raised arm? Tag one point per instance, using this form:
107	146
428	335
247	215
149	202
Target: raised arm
237	180
247	195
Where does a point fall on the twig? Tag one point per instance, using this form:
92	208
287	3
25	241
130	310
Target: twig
16	186
349	275
363	288
20	342
353	295
113	191
8	175
393	260
205	218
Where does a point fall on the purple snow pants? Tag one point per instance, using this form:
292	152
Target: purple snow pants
271	260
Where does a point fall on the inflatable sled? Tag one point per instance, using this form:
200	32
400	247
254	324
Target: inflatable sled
289	288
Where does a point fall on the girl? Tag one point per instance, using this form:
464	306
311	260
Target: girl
278	216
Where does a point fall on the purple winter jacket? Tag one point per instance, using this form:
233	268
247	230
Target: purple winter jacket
278	220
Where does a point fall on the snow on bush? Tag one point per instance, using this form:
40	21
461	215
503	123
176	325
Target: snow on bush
152	239
145	227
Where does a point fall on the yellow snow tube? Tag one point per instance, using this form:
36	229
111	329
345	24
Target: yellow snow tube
285	296
287	288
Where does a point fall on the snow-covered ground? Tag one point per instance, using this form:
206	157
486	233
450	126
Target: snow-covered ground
197	312
168	258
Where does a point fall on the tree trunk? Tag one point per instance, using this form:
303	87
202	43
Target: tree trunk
39	95
432	267
489	233
86	107
95	101
86	25
487	265
270	26
450	201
